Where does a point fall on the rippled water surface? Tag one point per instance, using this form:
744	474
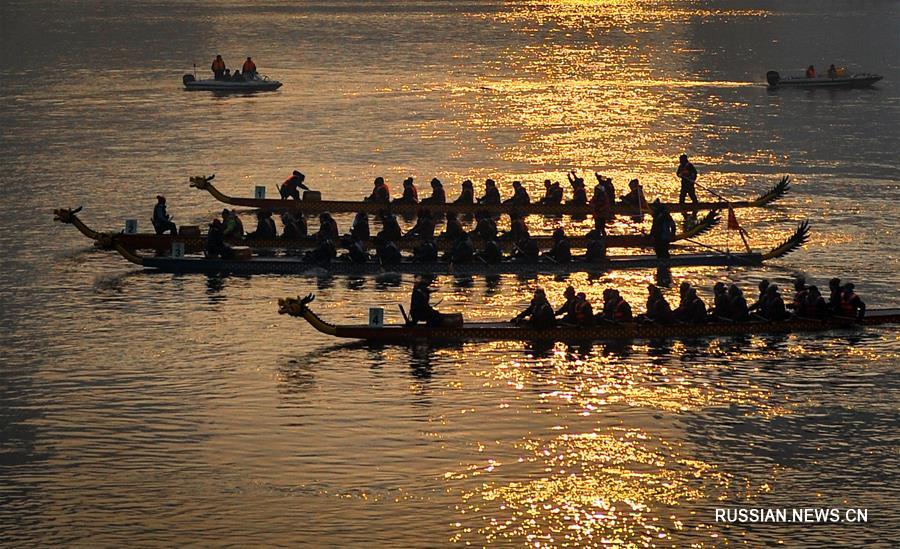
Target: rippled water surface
158	409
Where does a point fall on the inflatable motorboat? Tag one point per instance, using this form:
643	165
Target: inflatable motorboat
841	80
252	84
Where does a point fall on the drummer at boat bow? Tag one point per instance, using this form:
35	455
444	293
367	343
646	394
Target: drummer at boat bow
292	185
161	220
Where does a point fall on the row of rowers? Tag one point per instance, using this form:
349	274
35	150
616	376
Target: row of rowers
729	305
604	193
462	242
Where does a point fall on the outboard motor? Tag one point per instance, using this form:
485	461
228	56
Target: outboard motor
187	78
773	78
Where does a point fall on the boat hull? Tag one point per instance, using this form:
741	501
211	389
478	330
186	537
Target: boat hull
855	81
232	87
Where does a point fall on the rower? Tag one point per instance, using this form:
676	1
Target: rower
520	196
773	308
410	193
492	253
390	228
356	251
292	185
359	230
427	251
760	303
467	194
737	304
454	228
328	229
485	226
596	250
721	303
615	308
420	310
579	191
658	309
606	184
662	230
232	228
462	251
323	253
517	227
424	227
293	227
491	194
387	252
526	250
851	305
800	293
688	174
635	196
539	312
161	220
561	252
438	195
834	300
381	193
215	242
583	312
553	194
567	310
265	226
218	68
814	305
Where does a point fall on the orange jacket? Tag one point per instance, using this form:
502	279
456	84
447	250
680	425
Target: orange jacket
249	66
218	65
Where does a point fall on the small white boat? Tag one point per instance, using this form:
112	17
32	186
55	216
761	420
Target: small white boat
859	80
255	83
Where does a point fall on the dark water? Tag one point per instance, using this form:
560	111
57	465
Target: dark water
159	409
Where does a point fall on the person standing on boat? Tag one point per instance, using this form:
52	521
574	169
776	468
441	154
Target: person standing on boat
467	194
688	174
662	230
851	305
292	185
832	71
810	72
491	194
161	220
420	310
249	69
218	68
539	313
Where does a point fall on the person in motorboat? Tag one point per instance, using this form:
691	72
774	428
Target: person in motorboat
467	194
662	230
520	196
596	250
359	230
232	227
218	68
215	242
410	193
381	193
721	303
420	308
567	309
658	309
426	251
851	304
161	220
293	226
236	76
526	250
328	228
249	68
773	308
688	175
454	228
292	185
462	251
832	71
553	194
539	313
737	304
561	252
761	301
265	226
810	72
438	195
390	227
814	305
491	194
615	308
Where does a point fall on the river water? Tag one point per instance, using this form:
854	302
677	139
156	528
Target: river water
154	409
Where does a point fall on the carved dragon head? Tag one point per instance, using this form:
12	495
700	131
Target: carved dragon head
294	306
65	215
201	182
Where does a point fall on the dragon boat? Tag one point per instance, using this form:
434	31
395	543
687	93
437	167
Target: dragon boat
316	205
267	264
507	331
196	243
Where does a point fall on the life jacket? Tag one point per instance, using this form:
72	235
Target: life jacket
249	66
621	311
848	308
582	312
413	193
218	65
